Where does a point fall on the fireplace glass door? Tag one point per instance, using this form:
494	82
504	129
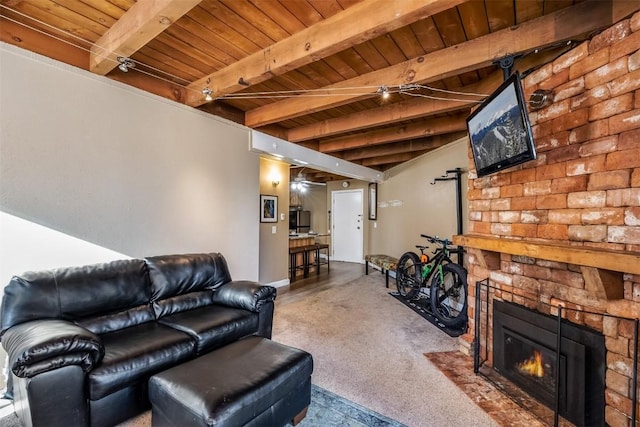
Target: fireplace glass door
533	367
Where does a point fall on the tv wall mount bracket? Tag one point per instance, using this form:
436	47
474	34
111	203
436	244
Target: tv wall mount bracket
506	64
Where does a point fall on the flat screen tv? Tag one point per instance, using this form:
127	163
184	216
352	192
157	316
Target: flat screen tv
499	129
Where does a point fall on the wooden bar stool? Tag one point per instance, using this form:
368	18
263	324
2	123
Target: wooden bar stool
322	247
293	262
315	249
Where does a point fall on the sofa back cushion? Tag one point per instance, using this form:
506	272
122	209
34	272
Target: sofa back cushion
183	282
103	288
30	296
173	275
75	293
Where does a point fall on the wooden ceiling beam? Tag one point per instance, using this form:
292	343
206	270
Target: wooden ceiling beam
312	145
236	115
319	176
388	114
34	41
394	158
429	143
397	133
414	108
161	88
356	24
550	29
386	149
26	38
139	25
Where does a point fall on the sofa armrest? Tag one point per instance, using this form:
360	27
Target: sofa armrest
244	294
44	345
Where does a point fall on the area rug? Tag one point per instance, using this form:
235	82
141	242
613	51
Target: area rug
423	308
329	409
326	409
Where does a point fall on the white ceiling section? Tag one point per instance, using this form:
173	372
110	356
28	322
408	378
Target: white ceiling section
299	155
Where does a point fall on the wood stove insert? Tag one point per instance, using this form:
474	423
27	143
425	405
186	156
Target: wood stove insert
525	352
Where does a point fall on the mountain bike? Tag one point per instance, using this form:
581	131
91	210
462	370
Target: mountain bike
443	280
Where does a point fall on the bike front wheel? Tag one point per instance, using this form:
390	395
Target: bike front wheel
408	275
448	295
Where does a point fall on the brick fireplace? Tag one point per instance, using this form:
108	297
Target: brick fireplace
564	230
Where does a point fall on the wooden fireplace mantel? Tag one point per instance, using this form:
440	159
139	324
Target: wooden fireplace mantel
602	269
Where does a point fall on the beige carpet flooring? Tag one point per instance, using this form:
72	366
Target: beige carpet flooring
369	348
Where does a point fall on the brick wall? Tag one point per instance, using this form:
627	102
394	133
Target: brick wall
583	189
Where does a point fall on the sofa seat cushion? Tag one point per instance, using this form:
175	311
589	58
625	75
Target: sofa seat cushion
136	353
213	326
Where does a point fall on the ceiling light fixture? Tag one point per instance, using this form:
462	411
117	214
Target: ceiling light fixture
298	186
207	94
125	63
384	91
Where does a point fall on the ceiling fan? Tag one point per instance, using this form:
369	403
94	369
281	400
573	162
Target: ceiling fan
300	183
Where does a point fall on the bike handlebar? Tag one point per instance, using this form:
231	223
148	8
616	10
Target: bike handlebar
444	243
436	239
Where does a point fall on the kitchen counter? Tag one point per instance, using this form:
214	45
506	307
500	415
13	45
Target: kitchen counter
305	236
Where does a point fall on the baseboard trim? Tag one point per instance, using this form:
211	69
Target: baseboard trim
279	283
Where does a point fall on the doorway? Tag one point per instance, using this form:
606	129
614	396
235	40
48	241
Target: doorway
347	232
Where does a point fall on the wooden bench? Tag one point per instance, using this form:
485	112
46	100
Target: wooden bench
386	263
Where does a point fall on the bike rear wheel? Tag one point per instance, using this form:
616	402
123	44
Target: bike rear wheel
408	275
448	295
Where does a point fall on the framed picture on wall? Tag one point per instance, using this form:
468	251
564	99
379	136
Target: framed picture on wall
373	200
268	208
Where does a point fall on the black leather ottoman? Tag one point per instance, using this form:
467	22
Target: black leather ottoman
254	381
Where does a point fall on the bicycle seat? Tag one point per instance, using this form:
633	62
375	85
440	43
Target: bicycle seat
422	248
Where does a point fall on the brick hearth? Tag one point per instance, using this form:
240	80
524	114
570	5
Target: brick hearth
508	406
583	191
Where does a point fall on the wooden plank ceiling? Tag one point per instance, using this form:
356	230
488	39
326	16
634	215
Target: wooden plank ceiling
314	71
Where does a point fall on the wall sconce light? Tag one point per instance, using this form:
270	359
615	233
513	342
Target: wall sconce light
275	179
125	64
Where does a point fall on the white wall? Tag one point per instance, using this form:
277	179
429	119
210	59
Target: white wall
25	246
414	206
121	168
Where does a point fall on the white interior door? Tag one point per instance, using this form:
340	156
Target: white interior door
347	234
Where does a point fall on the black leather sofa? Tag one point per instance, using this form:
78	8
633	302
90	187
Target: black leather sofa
82	342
